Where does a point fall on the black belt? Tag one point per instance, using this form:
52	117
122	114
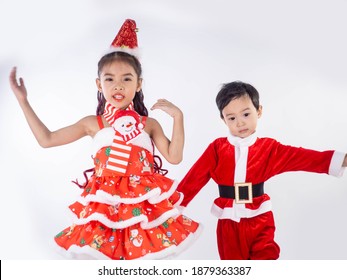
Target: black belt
243	191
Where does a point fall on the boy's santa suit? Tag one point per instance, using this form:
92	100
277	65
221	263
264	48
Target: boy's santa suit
231	160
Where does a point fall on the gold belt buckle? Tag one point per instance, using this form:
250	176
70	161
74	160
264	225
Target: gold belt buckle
249	191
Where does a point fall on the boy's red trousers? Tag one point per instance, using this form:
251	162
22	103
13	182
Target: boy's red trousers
249	239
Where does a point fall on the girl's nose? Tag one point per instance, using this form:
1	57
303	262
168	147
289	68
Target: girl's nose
119	87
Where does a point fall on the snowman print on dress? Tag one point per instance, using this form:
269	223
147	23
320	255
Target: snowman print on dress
128	124
136	238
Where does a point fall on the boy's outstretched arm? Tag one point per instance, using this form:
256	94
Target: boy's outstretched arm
198	175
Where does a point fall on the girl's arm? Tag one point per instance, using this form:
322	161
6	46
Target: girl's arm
172	150
43	135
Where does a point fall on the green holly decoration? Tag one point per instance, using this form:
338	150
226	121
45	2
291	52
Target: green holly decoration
82	242
59	234
147	189
136	212
88	189
101	228
108	151
165	224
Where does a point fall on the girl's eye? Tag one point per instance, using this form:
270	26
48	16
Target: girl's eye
109	79
127	79
246	114
232	118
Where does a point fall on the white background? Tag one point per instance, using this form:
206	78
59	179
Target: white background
293	52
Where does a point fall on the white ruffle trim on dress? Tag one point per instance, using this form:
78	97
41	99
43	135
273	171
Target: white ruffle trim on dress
142	219
154	196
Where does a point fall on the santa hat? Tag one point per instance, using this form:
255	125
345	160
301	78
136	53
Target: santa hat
126	39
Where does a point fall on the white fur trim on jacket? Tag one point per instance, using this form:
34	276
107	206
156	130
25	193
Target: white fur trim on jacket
239	211
335	168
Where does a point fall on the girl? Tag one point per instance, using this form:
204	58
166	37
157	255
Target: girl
128	208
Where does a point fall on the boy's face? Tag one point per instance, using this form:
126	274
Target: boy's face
241	116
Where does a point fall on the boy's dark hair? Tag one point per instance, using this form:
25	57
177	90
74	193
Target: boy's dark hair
234	90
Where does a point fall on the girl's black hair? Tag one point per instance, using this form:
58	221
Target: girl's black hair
233	90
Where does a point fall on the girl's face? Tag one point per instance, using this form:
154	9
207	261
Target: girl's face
241	116
119	83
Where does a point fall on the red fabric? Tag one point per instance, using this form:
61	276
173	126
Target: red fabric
100	123
130	243
138	178
250	239
126	36
266	158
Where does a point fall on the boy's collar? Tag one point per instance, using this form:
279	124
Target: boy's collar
242	142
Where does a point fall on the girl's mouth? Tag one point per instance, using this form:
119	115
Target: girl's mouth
118	96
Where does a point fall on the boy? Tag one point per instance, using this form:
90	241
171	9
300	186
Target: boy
240	164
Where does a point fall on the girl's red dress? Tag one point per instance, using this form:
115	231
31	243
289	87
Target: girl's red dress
127	217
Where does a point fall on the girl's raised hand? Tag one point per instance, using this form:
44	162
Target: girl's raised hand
18	89
167	107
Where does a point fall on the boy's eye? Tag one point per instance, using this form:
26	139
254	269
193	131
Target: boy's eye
232	118
127	79
246	114
109	79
